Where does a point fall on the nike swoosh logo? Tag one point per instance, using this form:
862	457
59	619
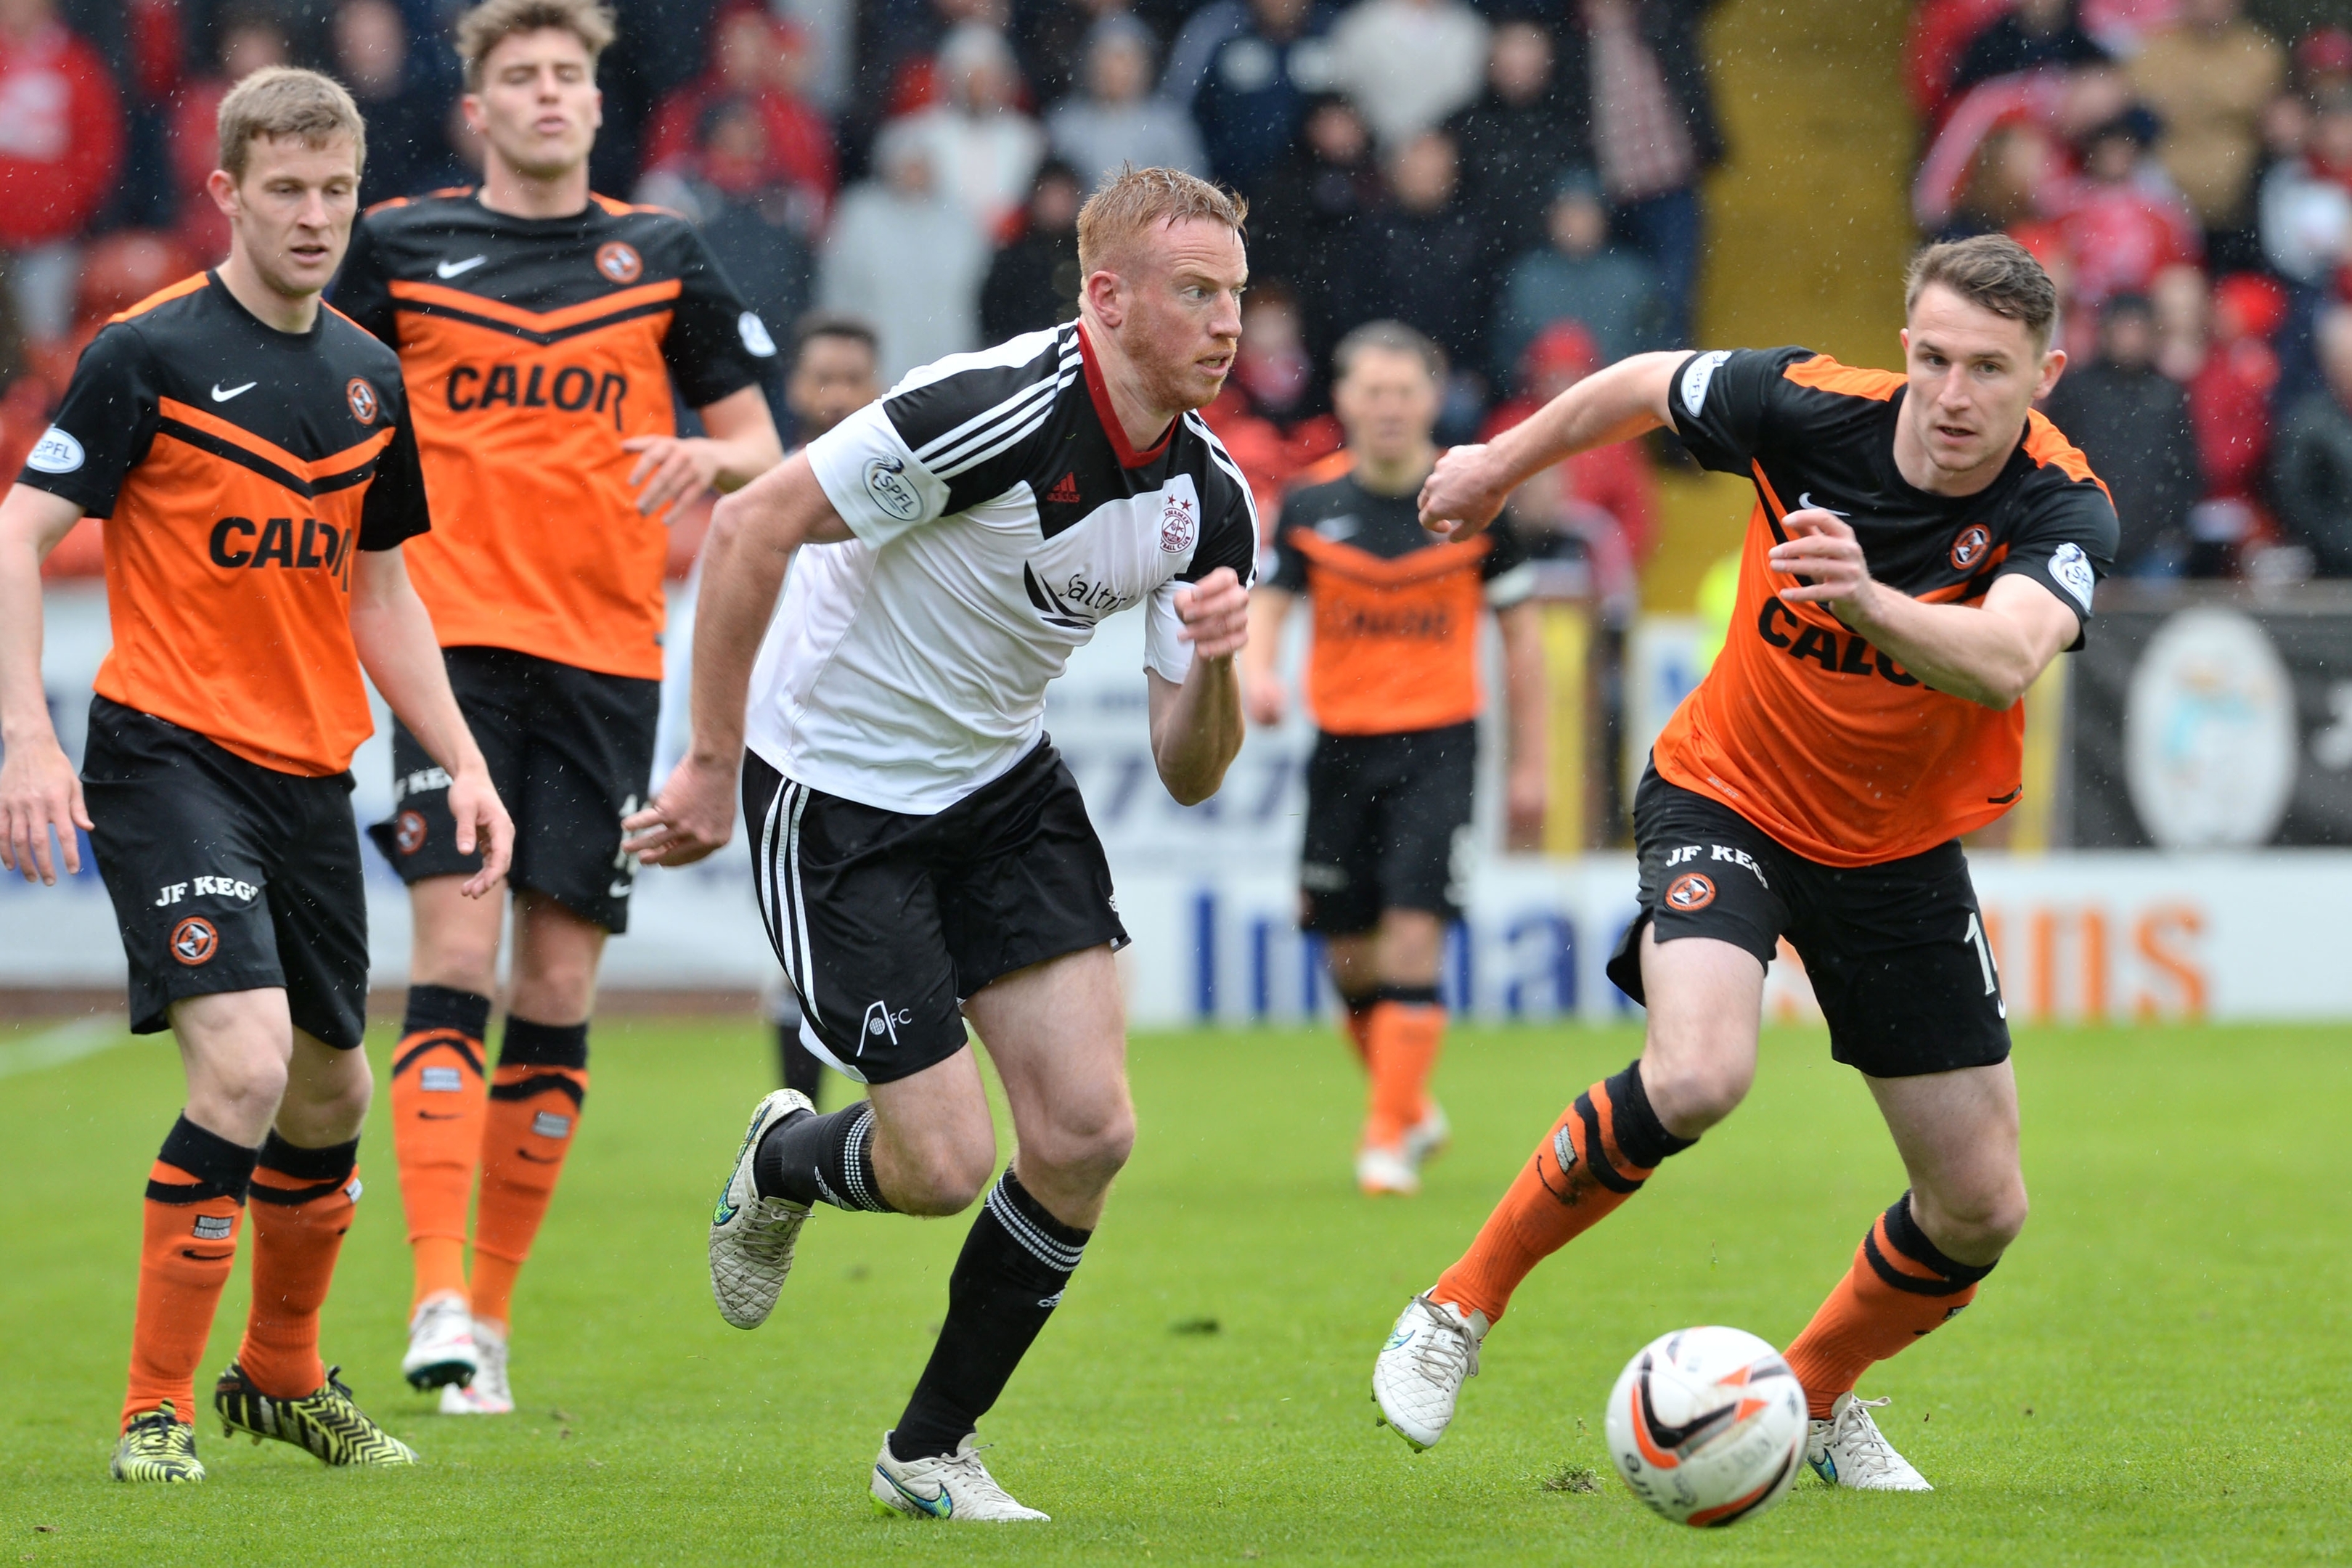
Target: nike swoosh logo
451	269
620	890
939	1507
540	1159
206	1257
436	1116
1805	503
220	396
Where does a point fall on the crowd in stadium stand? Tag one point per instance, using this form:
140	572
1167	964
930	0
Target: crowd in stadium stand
1518	178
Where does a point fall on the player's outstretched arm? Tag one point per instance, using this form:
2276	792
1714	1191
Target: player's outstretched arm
1527	701
1989	654
1470	484
38	789
753	533
1262	693
741	444
1196	725
394	635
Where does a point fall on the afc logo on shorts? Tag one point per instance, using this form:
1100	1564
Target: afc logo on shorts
879	1021
1969	549
1690	893
619	263
194	941
408	832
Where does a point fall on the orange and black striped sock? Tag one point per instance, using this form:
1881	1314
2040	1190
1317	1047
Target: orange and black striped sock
195	1196
1901	1288
1406	1032
302	1202
535	1101
1596	1156
438	1108
1356	1023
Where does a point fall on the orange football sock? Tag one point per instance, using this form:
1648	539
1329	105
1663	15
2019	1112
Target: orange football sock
1356	1023
1406	1033
195	1196
1596	1156
437	1111
302	1202
536	1096
1900	1288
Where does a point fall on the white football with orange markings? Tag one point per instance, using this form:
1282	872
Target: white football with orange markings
1708	1426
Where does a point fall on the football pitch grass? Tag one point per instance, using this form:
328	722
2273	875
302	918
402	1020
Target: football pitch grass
2157	1374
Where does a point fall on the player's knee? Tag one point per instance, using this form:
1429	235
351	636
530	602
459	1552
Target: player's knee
254	1082
946	1178
1974	1225
1087	1149
1692	1091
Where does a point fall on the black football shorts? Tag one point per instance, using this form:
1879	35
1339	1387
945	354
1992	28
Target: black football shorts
1387	822
570	752
226	875
884	921
1896	952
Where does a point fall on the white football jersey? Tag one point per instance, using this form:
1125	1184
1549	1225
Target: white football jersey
999	515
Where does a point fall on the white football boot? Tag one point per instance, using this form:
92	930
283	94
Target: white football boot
751	1237
957	1485
489	1393
1427	1138
1848	1450
1420	1371
440	1343
1380	1171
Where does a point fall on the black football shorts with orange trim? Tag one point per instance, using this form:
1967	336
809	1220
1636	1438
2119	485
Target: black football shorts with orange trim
226	875
570	752
1387	824
1896	952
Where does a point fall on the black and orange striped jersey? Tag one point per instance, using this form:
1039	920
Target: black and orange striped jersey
238	467
1396	608
1802	727
536	347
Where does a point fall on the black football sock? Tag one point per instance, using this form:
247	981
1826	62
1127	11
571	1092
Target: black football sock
799	1065
1007	1281
813	1159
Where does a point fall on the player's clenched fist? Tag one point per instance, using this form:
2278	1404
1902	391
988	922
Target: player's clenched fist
693	816
39	790
1822	549
1216	613
1462	493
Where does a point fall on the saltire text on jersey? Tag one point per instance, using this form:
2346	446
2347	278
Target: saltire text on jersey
535	347
238	468
1000	515
1802	727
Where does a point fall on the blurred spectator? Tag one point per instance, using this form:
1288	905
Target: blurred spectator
2120	221
758	63
60	144
2057	107
1033	283
1518	139
1117	122
2234	379
1274	415
1053	37
2132	425
1424	254
1612	292
2307	201
2311	471
1313	222
906	256
982	149
1600	505
834	374
1653	132
2323	61
1939	34
403	116
2031	35
1408	64
23	398
1248	73
753	215
2013	167
248	39
2207	79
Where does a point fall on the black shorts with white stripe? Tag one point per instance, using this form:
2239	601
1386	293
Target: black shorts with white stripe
884	921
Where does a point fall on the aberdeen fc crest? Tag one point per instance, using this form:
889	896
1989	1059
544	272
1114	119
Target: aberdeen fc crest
1179	526
619	263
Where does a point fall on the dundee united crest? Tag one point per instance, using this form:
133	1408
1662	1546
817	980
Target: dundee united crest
408	833
194	941
619	263
1970	548
366	405
1689	892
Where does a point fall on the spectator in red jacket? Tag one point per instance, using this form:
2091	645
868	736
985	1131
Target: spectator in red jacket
247	40
1600	505
2121	221
757	59
60	144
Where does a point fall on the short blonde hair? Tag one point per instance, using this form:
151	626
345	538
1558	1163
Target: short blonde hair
1135	201
282	100
493	22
